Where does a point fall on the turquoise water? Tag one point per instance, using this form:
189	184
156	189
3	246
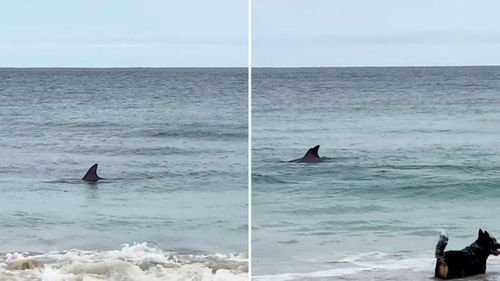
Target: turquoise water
410	152
171	145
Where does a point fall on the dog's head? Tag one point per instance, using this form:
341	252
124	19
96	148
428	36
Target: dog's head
488	242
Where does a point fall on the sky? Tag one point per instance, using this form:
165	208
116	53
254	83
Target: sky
210	33
292	33
123	33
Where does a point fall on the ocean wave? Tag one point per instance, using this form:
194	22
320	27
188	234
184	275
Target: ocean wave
360	265
131	262
197	131
375	266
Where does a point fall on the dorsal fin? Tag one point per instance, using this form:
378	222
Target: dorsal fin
91	174
312	152
311	156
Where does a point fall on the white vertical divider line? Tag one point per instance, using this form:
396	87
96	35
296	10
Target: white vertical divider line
249	138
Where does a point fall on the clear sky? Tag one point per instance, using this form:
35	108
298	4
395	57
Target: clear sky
375	32
117	33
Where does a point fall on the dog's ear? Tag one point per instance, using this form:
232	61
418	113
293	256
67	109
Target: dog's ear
480	233
487	234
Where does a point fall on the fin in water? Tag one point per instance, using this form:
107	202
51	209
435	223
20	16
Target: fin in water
311	156
91	175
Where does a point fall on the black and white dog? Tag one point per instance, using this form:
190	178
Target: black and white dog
466	262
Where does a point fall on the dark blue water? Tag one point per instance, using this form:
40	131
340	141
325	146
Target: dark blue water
410	151
170	143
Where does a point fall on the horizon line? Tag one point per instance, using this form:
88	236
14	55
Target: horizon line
246	67
118	67
382	66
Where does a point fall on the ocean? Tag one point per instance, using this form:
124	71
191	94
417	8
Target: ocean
408	152
171	145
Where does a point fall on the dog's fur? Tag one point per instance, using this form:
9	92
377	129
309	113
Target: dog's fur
466	262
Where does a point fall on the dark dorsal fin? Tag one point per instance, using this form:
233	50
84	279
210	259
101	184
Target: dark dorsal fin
312	152
311	156
91	174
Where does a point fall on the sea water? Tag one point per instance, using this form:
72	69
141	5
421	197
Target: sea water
407	151
171	146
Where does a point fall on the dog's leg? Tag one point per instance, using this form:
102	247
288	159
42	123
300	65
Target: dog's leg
441	270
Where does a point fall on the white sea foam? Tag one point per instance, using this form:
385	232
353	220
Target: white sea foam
381	266
363	263
130	263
